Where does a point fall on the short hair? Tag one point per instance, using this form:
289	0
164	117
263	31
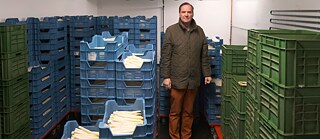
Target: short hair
185	3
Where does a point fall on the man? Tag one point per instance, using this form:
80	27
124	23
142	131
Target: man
183	57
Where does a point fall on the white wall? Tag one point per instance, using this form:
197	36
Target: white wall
255	14
42	8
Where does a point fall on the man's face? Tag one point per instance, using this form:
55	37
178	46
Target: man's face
186	13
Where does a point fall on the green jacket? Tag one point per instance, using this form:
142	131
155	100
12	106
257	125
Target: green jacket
184	56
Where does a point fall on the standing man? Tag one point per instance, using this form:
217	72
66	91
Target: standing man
184	57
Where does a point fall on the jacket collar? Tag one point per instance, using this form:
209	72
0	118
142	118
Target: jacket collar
193	25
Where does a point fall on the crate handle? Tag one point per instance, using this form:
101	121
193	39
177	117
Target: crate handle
270	41
269	85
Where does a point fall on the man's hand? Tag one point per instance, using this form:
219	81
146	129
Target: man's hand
207	80
167	83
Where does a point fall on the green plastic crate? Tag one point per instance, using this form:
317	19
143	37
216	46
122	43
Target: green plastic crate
238	93
225	109
252	116
14	91
225	129
290	110
237	124
252	81
234	59
14	67
254	48
12	38
15	117
291	60
227	85
22	133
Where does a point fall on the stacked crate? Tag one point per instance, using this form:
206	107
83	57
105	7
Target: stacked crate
210	95
145	31
164	100
102	24
48	75
81	28
288	83
139	82
14	106
98	74
238	107
233	64
214	49
124	24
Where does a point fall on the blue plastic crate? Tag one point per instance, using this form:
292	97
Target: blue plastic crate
72	125
37	117
213	120
102	20
148	61
42	108
145	41
98	65
97	83
39	97
41	84
164	92
151	108
123	22
141	22
93	106
112	42
214	99
83	33
145	34
165	101
98	74
98	92
135	74
64	91
90	120
135	91
164	111
82	21
39	128
129	98
139	84
62	111
51	23
214	110
112	106
51	49
94	52
51	39
139	51
120	31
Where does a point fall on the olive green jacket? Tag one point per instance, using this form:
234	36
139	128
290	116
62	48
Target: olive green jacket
184	56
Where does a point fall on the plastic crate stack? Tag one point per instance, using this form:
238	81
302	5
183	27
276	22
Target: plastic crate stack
98	74
233	65
50	92
139	82
81	28
14	106
283	84
102	24
211	98
145	31
164	100
124	24
214	49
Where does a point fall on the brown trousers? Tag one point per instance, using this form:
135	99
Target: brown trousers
181	103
